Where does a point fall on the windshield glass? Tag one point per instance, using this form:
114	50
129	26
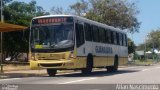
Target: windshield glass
52	36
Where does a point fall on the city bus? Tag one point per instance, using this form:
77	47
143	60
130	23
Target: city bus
69	42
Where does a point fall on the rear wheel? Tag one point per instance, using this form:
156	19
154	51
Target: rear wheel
51	72
89	65
115	67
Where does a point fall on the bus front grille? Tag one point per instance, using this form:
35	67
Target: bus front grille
43	56
51	65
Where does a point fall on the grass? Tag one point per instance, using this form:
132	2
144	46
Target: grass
12	67
146	62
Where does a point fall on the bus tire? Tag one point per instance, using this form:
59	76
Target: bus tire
51	72
113	68
89	65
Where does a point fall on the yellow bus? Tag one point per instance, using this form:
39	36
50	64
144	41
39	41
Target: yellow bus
68	42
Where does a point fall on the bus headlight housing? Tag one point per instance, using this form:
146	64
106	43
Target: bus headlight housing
33	56
71	55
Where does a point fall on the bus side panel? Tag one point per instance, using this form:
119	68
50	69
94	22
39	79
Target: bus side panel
103	61
123	60
110	60
80	62
99	61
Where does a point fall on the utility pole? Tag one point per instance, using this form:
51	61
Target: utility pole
153	54
145	48
1	38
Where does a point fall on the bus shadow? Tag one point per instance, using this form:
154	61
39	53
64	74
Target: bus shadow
97	73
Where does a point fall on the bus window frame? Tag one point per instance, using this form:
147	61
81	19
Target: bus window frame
102	38
88	31
95	30
81	38
117	38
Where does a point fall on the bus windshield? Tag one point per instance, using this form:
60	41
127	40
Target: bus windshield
51	36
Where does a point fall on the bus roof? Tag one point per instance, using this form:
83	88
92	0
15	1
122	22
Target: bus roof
84	19
47	16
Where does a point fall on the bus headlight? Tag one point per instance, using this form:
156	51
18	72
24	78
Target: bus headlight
71	55
33	56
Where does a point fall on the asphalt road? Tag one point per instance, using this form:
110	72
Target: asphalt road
98	80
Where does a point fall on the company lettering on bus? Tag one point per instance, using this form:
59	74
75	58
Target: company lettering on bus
105	50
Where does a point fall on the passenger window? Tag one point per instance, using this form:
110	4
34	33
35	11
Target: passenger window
112	37
118	39
102	35
88	35
79	34
95	34
115	37
108	36
124	40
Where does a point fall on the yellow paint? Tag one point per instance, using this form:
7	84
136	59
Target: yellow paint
100	61
34	64
123	60
38	46
71	62
75	52
110	61
80	62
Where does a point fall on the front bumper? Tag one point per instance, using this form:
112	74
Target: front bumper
55	64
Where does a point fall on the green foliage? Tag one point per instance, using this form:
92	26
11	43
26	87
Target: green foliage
151	41
15	42
4	2
131	46
140	47
117	13
80	8
21	13
57	10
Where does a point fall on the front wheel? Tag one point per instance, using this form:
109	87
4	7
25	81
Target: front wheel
89	65
51	72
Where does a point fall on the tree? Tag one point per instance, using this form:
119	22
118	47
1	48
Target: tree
131	46
57	10
79	8
141	47
19	13
153	39
15	42
118	13
4	2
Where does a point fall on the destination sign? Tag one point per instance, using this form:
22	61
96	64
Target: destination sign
52	20
105	50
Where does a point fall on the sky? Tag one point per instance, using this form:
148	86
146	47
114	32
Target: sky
149	15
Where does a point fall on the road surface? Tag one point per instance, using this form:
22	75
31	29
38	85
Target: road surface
127	75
